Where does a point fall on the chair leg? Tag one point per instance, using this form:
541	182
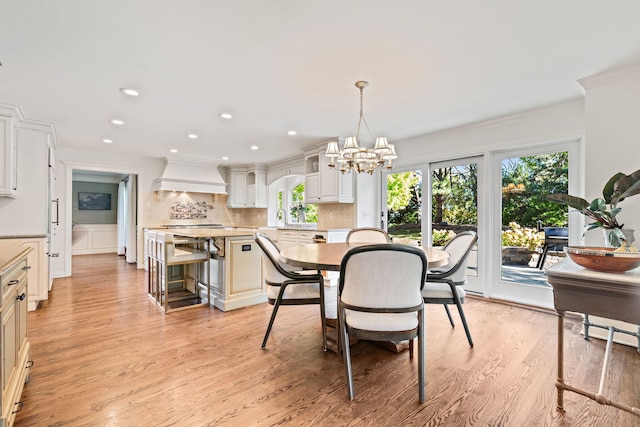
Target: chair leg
421	356
346	352
464	321
276	305
323	317
449	315
411	349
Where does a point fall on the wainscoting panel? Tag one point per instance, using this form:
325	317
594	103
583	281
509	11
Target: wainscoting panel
94	238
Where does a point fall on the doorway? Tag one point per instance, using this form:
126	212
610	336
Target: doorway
135	213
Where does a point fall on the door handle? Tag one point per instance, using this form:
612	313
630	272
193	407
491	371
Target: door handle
57	202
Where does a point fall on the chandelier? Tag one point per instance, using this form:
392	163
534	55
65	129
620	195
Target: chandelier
361	159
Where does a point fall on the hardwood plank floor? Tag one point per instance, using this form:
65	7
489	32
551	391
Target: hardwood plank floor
105	355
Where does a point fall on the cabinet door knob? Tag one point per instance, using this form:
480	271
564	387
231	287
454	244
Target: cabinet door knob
26	267
12	282
22	296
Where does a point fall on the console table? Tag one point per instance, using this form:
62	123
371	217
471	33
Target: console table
611	295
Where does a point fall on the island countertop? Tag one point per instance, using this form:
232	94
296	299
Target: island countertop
204	233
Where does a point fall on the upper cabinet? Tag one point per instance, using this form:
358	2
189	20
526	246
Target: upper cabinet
8	157
247	187
324	184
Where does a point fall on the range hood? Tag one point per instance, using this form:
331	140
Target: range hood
188	176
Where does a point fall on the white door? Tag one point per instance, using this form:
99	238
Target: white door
521	181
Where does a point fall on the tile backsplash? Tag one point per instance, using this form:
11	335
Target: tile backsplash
159	205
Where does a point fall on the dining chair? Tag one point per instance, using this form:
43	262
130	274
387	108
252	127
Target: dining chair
445	285
368	235
289	285
379	300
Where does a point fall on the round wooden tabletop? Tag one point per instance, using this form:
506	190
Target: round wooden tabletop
328	256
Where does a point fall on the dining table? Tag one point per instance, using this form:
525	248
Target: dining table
328	257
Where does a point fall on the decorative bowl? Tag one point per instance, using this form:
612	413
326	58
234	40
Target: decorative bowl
603	259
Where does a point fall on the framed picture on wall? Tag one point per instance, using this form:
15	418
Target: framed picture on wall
94	201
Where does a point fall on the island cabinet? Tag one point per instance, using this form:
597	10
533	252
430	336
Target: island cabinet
247	187
236	273
14	346
324	184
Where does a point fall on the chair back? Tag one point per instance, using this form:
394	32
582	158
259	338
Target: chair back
459	248
272	268
368	235
383	276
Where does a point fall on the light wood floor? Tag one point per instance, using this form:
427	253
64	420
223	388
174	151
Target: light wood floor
105	355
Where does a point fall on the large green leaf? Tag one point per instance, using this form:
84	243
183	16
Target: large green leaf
626	186
608	189
565	199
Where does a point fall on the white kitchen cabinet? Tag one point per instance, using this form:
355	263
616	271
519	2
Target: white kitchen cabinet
235	274
14	346
247	187
38	260
324	184
291	237
8	157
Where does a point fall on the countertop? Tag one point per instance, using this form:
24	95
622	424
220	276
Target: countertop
10	254
203	233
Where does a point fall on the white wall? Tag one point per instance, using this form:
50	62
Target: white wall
612	137
562	121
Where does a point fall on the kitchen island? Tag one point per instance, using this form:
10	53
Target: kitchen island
233	271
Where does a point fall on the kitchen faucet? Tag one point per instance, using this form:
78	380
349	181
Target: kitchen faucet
284	216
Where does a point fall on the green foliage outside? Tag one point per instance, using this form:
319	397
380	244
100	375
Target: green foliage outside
524	237
526	183
441	237
298	205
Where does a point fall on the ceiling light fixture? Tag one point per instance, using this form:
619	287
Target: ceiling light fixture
192	136
226	116
173	150
292	132
117	122
130	92
107	141
254	147
225	158
360	159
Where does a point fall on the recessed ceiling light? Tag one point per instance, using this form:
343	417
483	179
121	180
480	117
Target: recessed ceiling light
130	92
192	136
225	116
107	141
254	147
117	122
173	150
292	132
225	158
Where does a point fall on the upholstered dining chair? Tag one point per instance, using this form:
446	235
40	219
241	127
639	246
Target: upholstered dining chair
289	285
367	235
445	284
379	300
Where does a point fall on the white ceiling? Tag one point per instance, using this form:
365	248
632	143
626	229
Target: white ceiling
279	65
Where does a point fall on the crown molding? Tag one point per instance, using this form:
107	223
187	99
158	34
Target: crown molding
611	76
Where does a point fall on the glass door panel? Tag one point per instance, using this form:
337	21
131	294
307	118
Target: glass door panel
404	206
454	208
526	178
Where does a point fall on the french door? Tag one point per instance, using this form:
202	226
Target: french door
428	204
521	181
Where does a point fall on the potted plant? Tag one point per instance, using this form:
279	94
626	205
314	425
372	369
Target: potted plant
604	210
